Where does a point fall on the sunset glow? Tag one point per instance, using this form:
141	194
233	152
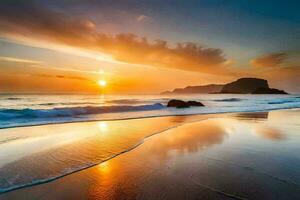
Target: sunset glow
141	46
102	83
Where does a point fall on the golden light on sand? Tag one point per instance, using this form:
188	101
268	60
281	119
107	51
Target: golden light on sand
102	83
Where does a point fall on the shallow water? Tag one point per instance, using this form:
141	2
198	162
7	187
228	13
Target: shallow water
61	149
233	156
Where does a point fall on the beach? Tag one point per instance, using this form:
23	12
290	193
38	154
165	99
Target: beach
149	100
251	155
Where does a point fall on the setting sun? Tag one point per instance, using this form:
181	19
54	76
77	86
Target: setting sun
102	83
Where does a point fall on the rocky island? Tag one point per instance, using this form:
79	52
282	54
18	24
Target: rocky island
250	86
268	91
244	86
240	86
201	89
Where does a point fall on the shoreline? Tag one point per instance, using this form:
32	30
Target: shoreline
129	165
123	152
78	170
138	144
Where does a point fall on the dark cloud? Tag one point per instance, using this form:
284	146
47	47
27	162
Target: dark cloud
32	20
63	77
72	77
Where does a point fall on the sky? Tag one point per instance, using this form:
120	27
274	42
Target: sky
146	47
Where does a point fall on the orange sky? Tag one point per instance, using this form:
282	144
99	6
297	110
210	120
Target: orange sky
49	51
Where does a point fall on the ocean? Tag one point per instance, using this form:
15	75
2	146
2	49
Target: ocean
28	110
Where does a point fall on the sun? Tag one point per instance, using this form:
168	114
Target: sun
102	83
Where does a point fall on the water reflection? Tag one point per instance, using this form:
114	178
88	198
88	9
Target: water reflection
103	127
154	166
265	128
208	159
121	177
192	137
260	116
179	119
61	148
269	133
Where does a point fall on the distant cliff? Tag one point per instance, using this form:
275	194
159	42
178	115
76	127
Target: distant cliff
240	86
203	89
245	86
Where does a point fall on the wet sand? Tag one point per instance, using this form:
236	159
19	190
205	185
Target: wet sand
226	156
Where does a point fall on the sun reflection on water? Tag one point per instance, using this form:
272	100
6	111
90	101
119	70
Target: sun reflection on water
104	168
103	126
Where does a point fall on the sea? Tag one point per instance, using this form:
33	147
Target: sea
28	110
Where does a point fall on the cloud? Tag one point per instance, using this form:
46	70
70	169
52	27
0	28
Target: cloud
19	60
269	60
269	133
279	67
88	24
63	77
142	18
31	20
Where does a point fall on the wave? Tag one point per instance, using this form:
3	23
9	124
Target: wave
229	100
73	111
281	102
118	101
124	101
65	104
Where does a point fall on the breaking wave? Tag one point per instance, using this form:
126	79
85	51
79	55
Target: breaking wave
73	111
229	100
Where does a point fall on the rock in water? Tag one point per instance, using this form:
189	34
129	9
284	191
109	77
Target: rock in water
182	104
194	103
245	86
177	103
